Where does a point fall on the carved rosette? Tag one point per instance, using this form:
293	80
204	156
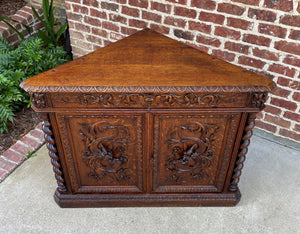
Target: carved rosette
51	145
38	100
239	163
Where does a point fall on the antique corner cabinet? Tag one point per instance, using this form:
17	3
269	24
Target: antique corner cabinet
147	121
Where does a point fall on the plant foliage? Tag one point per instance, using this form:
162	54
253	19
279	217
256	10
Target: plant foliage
30	58
48	35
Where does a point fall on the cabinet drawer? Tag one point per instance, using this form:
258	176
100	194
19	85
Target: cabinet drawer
192	151
104	152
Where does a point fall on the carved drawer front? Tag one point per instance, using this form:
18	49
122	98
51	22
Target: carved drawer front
192	151
104	152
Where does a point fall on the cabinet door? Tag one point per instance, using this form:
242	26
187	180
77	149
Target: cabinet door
104	151
192	151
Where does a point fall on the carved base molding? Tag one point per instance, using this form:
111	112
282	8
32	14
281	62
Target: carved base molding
146	200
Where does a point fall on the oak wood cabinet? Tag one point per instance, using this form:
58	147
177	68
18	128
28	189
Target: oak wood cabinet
147	121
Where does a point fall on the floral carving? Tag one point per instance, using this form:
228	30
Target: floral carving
168	99
106	146
191	150
259	99
38	100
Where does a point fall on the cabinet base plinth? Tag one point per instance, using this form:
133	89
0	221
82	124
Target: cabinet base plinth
154	200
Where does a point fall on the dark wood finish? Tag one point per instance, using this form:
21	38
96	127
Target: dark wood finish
147	121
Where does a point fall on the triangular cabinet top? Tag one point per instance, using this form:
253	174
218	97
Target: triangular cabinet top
147	62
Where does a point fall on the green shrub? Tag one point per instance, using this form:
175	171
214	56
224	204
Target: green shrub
30	58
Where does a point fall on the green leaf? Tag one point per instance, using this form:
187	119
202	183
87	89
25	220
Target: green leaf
61	31
45	7
44	37
12	27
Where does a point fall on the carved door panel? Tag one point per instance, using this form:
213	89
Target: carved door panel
192	151
104	152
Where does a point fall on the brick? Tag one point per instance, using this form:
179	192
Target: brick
92	3
295	34
211	17
130	11
13	156
109	6
82	28
290	134
6	165
82	44
228	33
95	40
151	16
277	68
128	31
31	142
137	23
244	49
284	104
74	16
182	2
92	21
208	40
266	54
292	116
186	12
248	2
289	47
204	4
198	47
282	5
98	14
272	110
292	60
239	23
116	36
161	7
257	40
291	20
261	15
251	62
139	3
272	30
200	27
277	121
160	28
297	127
80	9
35	132
298	8
25	15
281	92
283	81
296	96
20	148
119	1
230	9
117	18
99	32
223	55
183	34
78	52
295	85
265	126
110	26
175	21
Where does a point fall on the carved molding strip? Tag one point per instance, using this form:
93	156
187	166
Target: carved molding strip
259	99
237	171
142	89
51	145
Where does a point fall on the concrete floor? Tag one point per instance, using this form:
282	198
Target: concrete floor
270	203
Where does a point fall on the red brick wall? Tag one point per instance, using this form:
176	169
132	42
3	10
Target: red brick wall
25	16
260	35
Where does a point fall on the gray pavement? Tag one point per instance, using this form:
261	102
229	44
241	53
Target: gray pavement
270	203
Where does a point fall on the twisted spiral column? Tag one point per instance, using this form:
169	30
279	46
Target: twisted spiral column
239	163
51	145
